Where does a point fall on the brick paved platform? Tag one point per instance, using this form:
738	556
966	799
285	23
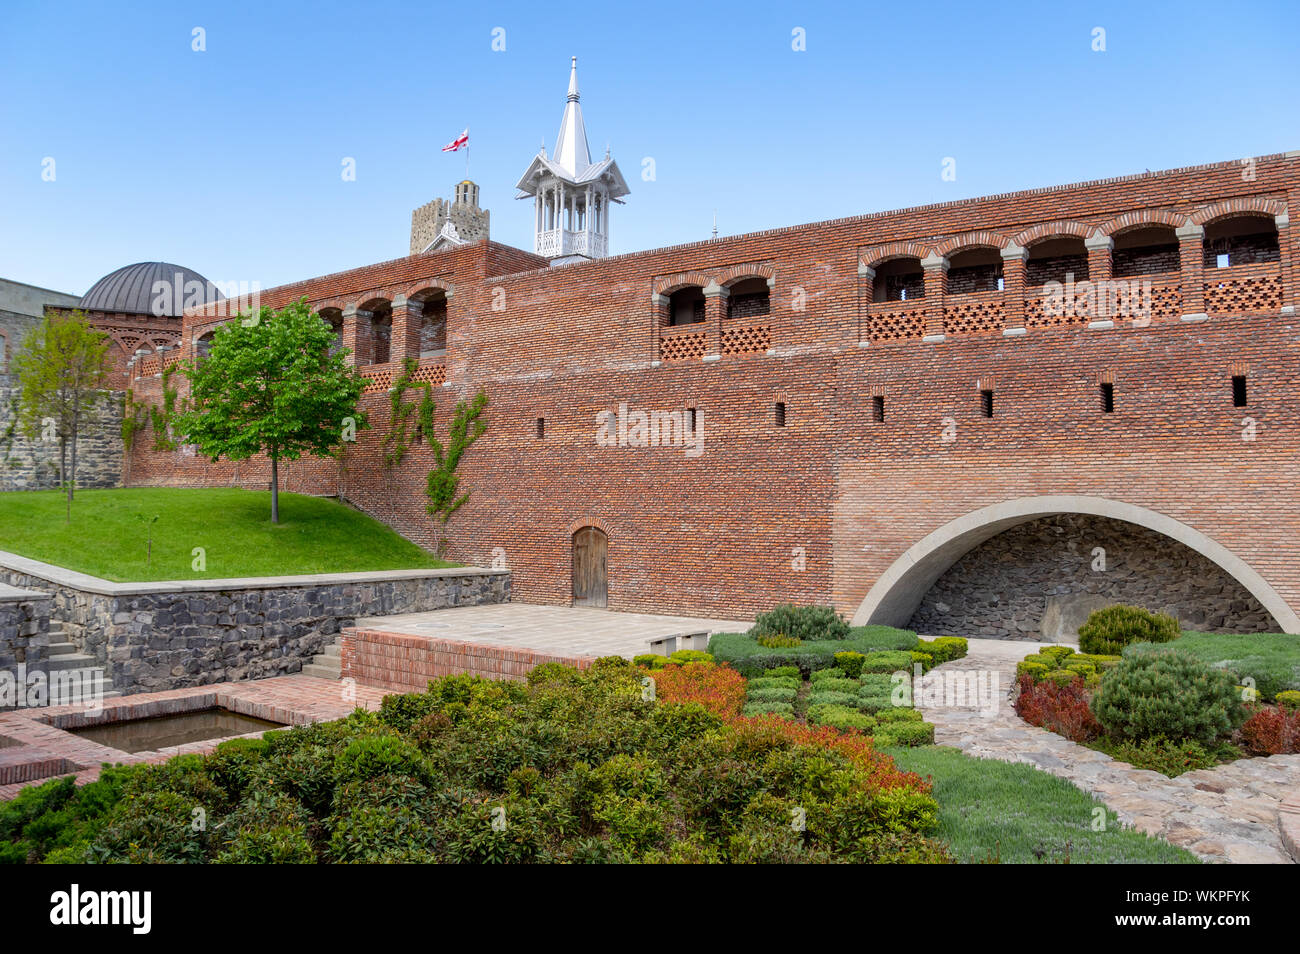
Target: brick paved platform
35	747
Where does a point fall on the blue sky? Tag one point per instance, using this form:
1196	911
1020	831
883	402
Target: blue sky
229	160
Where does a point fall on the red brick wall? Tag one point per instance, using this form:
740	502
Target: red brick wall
722	533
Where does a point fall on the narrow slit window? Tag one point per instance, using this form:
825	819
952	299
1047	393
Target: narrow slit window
986	403
1108	398
690	420
541	428
878	409
779	413
1238	390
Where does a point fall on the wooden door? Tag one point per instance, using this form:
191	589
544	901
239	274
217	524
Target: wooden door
589	581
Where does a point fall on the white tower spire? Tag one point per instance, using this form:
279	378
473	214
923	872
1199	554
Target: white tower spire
571	194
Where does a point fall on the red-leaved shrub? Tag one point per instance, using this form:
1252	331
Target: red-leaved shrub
720	689
1060	709
1272	731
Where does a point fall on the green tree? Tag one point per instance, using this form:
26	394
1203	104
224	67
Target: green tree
61	370
271	385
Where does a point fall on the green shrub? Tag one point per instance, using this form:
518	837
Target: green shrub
743	653
804	623
925	659
841	717
1288	699
817	697
784	671
822	674
1101	661
850	686
1056	652
850	663
650	660
768	708
772	694
898	714
888	661
1062	677
944	648
1034	670
1271	660
1107	631
778	641
775	682
685	656
1170	757
905	733
1164	692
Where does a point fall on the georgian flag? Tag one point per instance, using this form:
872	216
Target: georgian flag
455	144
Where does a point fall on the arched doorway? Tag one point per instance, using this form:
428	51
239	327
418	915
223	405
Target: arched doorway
590	584
900	590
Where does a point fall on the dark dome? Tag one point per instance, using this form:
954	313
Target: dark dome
131	290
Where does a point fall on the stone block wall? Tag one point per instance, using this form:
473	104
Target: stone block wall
163	639
24	634
1040	580
27	464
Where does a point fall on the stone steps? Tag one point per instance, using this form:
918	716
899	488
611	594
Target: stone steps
65	658
328	664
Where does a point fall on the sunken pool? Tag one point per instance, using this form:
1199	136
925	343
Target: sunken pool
160	732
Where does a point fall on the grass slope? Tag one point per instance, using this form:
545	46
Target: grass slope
1017	814
107	536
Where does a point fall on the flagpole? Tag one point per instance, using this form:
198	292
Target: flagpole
467	153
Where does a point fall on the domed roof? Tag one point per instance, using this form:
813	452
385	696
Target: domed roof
131	290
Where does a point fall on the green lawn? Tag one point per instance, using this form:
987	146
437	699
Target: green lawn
1017	814
107	537
1271	659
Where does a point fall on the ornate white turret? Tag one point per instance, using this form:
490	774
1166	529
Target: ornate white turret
571	194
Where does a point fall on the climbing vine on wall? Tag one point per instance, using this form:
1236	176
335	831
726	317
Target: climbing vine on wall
409	421
444	486
134	416
161	417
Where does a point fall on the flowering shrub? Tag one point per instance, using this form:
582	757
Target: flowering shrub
1062	709
1272	730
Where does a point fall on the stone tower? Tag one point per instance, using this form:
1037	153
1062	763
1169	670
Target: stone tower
571	194
440	223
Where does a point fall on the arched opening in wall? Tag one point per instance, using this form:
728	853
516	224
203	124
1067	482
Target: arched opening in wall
379	331
433	321
686	305
203	346
1055	260
1041	579
590	574
1146	250
899	279
749	298
974	270
1241	240
334	318
1036	566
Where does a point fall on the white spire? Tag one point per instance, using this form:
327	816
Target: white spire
571	152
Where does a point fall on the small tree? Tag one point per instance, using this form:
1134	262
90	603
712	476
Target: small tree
61	369
270	385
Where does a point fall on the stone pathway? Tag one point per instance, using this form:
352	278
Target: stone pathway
1230	813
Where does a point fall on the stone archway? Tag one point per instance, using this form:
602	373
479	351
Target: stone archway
901	589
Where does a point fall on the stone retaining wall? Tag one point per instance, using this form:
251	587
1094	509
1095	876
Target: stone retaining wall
27	464
24	636
405	663
151	637
1040	580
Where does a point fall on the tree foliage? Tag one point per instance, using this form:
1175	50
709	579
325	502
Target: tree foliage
61	370
270	385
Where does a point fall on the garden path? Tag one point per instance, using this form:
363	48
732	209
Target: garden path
1226	814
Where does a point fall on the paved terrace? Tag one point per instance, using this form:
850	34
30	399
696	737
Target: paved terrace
558	630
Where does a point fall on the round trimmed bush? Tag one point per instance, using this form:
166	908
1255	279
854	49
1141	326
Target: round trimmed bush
1288	699
800	622
1165	692
1109	630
